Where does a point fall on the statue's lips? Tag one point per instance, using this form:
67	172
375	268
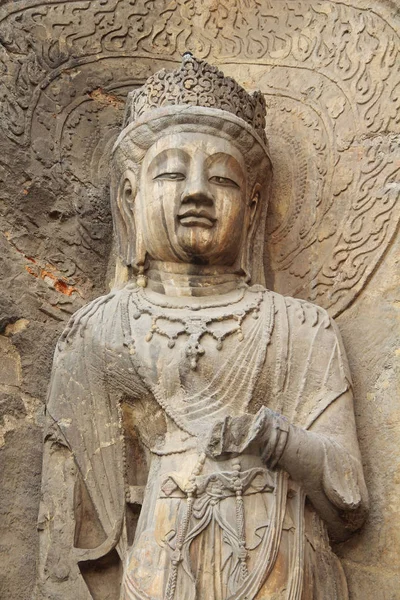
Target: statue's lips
196	219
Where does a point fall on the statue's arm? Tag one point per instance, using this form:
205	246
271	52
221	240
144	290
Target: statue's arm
58	572
321	449
325	460
318	447
82	513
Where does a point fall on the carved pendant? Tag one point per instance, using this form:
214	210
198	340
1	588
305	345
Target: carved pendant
195	322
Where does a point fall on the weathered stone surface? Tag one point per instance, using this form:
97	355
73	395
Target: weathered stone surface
20	467
329	75
371	558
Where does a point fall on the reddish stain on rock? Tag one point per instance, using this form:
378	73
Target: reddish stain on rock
58	283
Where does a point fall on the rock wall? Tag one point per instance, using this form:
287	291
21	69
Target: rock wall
329	72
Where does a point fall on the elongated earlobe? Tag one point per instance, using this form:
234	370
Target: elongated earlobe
254	203
124	216
254	207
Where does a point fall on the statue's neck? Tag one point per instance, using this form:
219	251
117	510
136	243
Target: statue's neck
174	279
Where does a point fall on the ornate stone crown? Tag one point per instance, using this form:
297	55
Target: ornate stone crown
196	83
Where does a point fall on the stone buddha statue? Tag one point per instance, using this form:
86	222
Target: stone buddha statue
200	440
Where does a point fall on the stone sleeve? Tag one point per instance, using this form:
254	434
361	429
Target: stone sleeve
58	573
326	461
82	514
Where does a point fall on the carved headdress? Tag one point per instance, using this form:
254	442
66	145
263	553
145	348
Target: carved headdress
196	97
196	83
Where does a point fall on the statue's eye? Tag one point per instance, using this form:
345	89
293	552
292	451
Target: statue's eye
225	181
170	176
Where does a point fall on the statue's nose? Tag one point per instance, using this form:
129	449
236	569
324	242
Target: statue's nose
197	190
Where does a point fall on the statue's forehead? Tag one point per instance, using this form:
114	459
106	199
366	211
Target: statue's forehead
191	143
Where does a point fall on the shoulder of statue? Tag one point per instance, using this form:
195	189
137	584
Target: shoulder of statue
302	313
307	330
89	318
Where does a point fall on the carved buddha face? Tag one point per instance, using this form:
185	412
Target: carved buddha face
193	201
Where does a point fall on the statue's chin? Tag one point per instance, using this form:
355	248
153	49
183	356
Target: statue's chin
201	245
197	240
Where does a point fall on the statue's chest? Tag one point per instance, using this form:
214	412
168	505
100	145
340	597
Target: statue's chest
200	364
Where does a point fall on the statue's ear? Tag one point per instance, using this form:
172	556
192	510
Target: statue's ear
251	220
252	251
124	216
254	204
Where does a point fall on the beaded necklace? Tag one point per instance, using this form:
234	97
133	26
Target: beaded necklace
195	323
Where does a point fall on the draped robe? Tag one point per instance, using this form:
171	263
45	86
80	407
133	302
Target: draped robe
127	422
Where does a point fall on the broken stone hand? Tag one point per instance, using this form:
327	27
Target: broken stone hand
265	433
